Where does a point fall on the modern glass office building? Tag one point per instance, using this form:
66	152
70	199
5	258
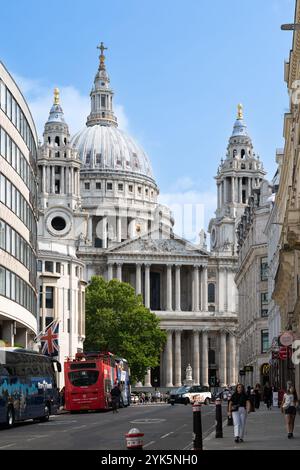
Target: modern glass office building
18	216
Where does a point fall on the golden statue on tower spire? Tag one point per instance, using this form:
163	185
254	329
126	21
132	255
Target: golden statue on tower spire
102	56
56	96
240	111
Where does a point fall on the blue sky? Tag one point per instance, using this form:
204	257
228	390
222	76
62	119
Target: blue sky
178	70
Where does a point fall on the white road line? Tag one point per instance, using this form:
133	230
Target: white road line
37	437
149	444
166	435
8	445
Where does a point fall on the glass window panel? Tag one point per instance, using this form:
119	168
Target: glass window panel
2	96
8	193
13	287
13	243
8	104
3	143
2	189
2	281
2	235
7	287
8	238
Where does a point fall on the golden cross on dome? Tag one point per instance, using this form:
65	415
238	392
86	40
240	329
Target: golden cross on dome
56	96
102	56
240	112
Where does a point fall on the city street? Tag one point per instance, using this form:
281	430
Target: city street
165	427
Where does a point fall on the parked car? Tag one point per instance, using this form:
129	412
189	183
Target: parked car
190	394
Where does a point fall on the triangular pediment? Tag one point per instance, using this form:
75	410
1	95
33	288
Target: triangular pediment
149	243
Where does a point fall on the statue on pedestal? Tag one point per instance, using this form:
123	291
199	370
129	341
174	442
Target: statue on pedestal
189	375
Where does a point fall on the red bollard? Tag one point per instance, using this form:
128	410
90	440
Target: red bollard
134	439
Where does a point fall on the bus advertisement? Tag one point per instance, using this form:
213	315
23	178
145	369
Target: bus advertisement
28	388
89	379
124	380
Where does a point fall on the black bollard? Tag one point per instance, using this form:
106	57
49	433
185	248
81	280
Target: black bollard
219	429
197	427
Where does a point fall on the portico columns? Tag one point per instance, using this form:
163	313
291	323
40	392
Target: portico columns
205	358
223	369
119	271
104	232
196	289
119	229
138	279
196	357
169	354
233	361
204	289
177	290
148	378
178	381
169	287
110	274
147	285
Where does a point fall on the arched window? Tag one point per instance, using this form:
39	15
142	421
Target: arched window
243	153
211	293
49	140
65	141
57	141
234	153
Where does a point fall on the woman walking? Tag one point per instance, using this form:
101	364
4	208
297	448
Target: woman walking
289	407
239	406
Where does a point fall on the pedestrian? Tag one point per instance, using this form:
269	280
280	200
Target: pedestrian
239	406
115	394
268	395
257	392
62	397
289	408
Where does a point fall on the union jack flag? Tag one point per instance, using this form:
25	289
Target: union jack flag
49	339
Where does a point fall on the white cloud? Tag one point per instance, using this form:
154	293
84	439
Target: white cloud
75	105
192	208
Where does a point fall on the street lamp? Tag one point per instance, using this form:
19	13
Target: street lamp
290	27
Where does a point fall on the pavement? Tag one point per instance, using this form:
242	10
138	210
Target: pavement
265	430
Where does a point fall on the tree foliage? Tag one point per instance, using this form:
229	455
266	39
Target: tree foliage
117	321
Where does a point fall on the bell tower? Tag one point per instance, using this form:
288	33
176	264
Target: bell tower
238	174
59	180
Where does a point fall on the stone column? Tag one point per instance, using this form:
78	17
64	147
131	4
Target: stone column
104	232
44	179
147	285
233	189
204	285
205	358
169	361
110	271
62	181
178	289
169	287
148	378
241	190
52	179
221	287
138	279
196	361
8	332
43	326
196	289
223	370
119	229
224	191
249	187
225	290
233	362
119	271
178	379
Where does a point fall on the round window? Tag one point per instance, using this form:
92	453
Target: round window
58	223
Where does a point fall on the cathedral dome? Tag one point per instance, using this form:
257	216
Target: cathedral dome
103	147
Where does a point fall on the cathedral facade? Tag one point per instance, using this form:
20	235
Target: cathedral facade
100	215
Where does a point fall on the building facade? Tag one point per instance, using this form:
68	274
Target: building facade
18	216
286	289
60	229
252	283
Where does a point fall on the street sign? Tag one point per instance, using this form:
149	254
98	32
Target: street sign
284	352
287	338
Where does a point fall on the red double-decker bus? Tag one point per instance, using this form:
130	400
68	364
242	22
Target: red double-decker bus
89	379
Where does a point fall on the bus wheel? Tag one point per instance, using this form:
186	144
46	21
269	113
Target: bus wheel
10	417
46	416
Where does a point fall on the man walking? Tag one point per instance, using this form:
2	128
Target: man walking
115	394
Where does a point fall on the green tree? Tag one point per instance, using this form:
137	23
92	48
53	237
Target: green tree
117	321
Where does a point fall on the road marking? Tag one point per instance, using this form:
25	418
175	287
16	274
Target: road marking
37	437
8	445
147	421
80	427
166	435
149	444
